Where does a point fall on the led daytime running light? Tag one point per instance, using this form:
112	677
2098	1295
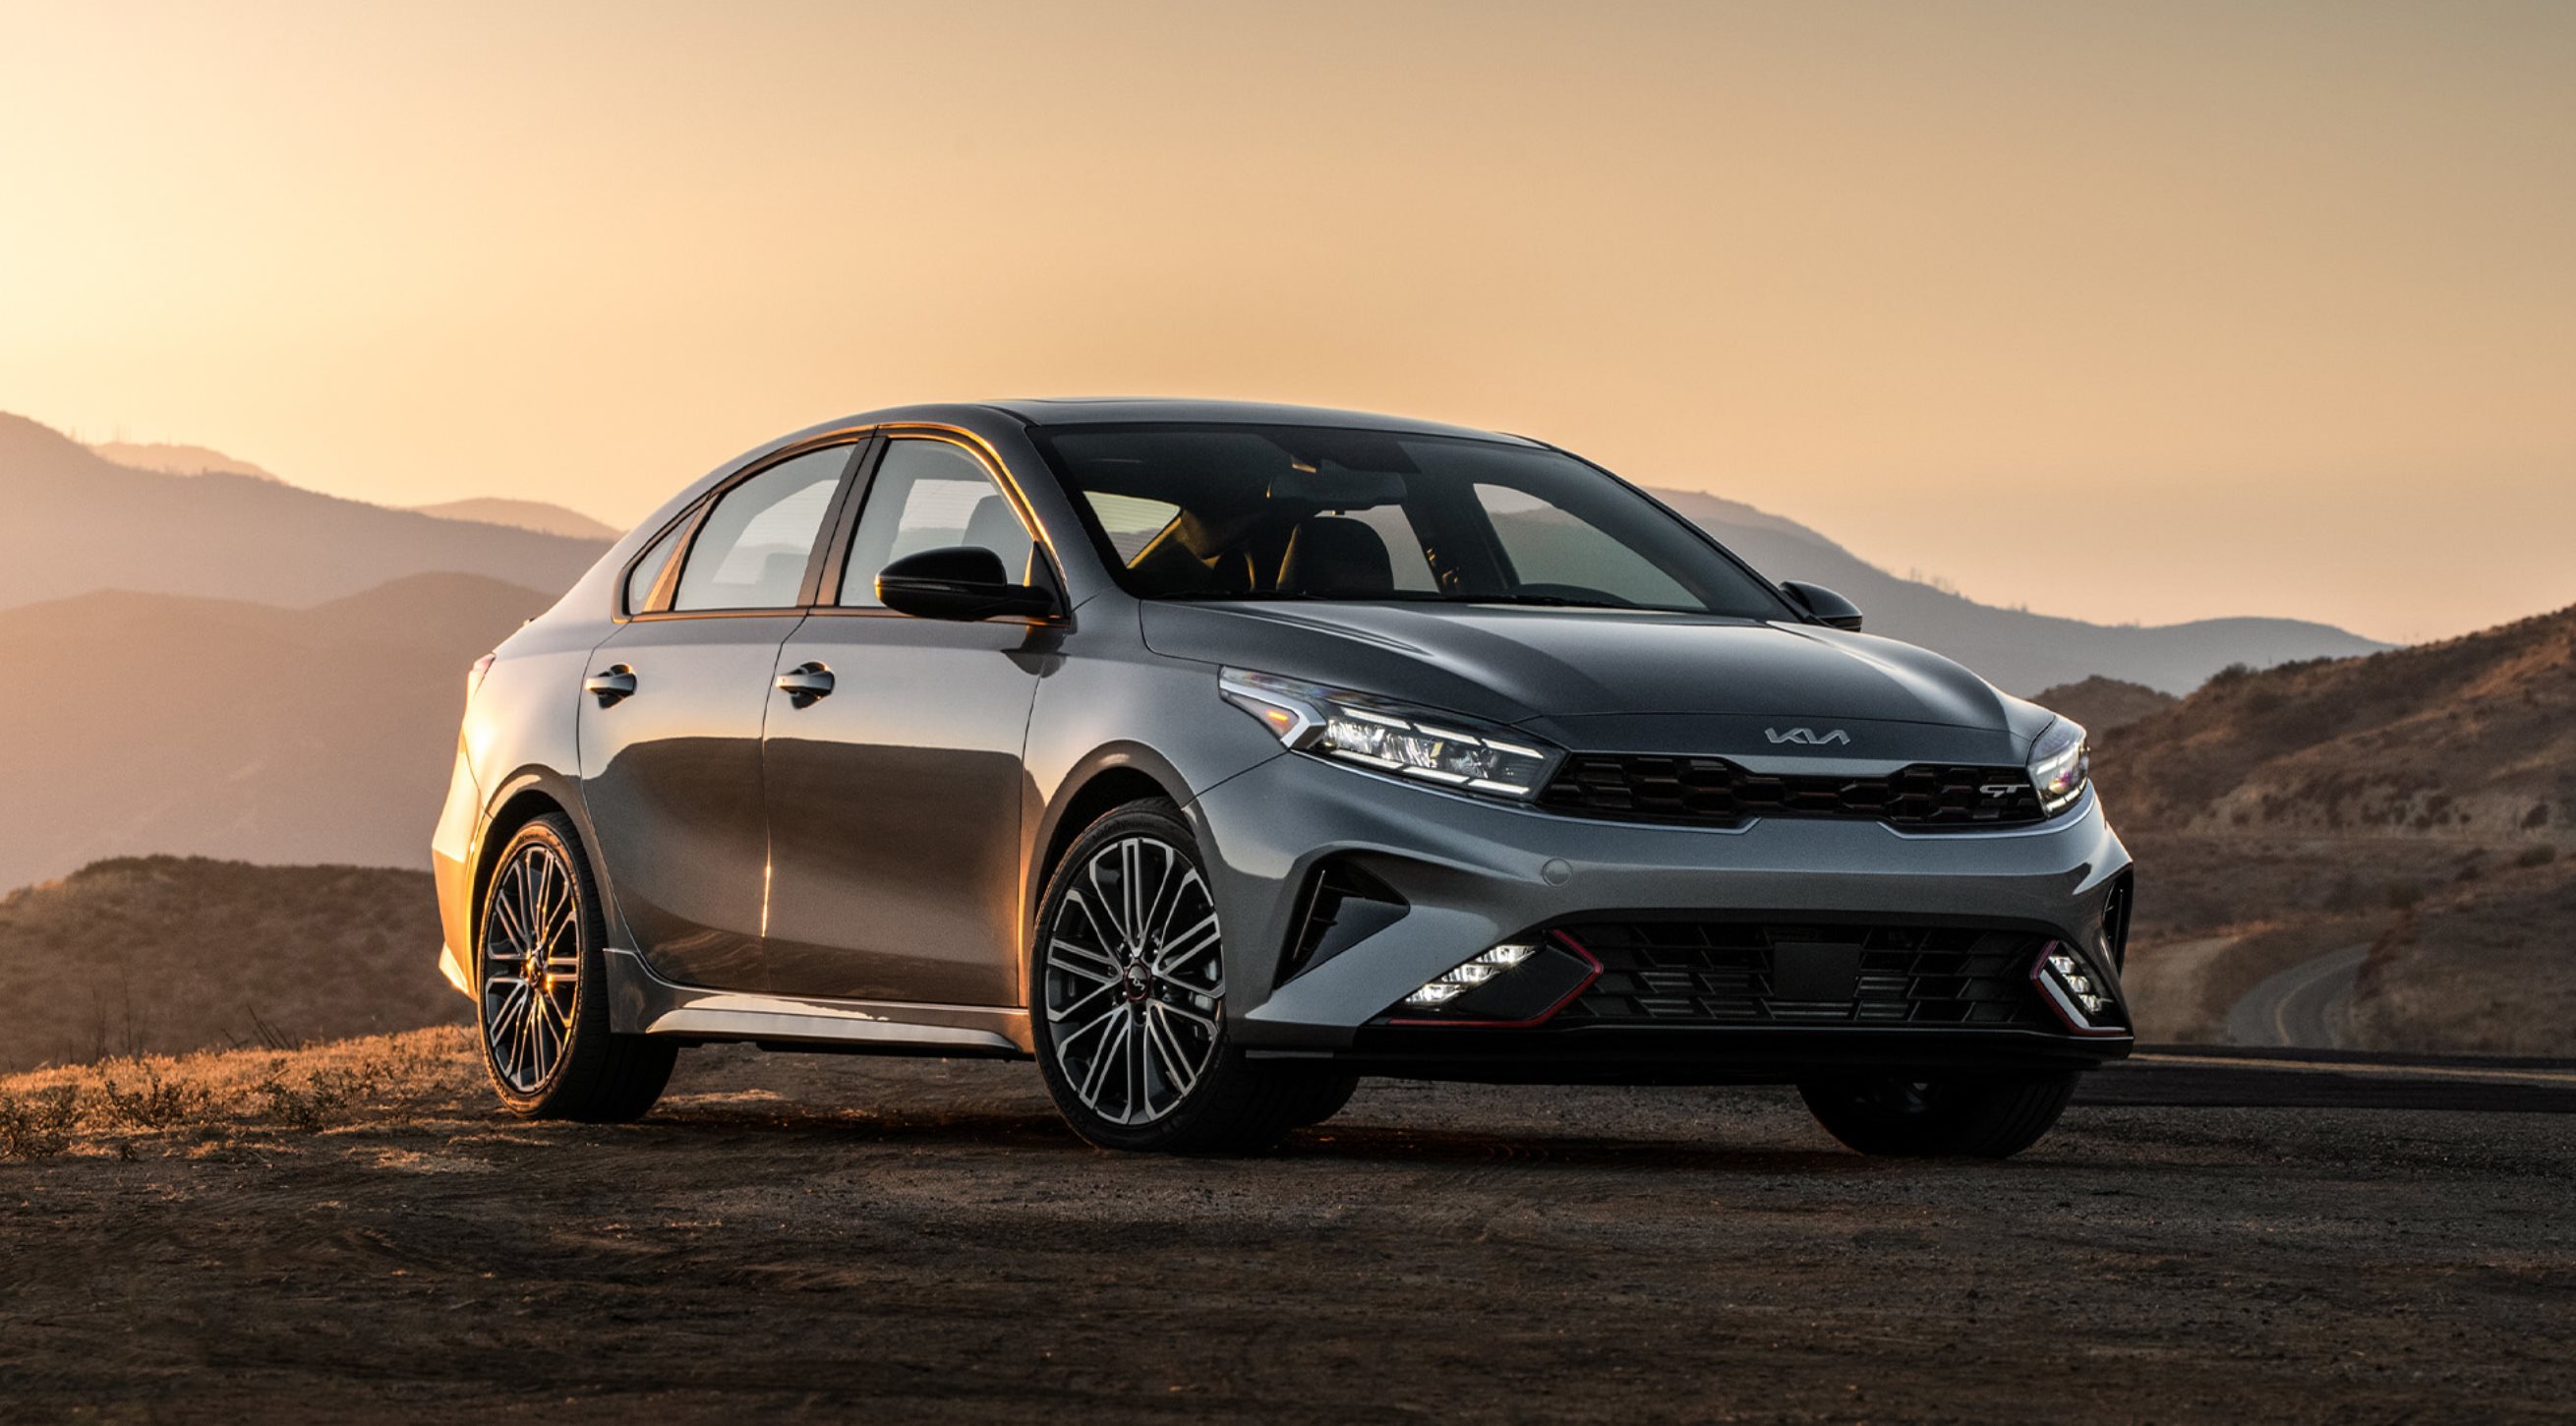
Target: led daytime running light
1460	979
1437	748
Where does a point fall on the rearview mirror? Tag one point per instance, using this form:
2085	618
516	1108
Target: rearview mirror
958	582
1830	609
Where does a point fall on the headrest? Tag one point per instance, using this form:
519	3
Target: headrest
1332	554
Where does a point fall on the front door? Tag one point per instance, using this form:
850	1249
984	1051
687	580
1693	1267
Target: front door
670	730
897	797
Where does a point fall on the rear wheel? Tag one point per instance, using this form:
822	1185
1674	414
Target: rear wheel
1128	992
1966	1118
543	1004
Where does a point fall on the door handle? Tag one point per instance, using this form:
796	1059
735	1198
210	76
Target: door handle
805	683
610	684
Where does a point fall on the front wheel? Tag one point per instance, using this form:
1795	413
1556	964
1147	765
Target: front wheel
1127	999
1965	1118
543	971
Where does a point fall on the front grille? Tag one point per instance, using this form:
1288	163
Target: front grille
1712	792
1719	973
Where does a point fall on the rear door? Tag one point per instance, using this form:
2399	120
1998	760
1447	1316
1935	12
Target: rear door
670	730
896	799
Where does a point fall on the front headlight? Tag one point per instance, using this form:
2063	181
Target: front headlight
1434	747
2060	761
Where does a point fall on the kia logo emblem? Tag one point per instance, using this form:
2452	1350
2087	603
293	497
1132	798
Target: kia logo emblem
1808	736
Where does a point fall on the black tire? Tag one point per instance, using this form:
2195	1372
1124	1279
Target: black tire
1326	1095
1085	995
549	1052
1993	1118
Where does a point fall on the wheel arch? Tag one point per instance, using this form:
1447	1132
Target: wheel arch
1108	779
523	798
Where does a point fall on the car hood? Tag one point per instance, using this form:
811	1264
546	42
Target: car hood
1549	666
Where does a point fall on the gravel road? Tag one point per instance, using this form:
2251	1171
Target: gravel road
906	1240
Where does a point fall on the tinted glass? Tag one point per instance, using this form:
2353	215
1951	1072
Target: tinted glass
1552	548
752	551
648	570
1296	512
927	495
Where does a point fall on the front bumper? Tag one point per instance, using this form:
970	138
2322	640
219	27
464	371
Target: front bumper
1475	873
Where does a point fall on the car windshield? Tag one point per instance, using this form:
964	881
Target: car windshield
1303	512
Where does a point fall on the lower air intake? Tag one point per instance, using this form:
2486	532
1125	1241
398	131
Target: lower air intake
1718	973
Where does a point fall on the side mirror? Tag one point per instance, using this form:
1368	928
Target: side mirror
1829	608
958	582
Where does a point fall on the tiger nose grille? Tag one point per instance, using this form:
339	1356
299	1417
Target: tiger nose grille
1712	792
1682	972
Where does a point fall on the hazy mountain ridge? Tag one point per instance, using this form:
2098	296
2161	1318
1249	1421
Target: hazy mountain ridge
79	522
544	517
2019	651
171	459
147	723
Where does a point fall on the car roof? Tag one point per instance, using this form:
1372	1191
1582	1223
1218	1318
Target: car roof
1151	410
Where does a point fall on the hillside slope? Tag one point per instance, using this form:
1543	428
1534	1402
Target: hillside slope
2420	803
2473	737
2018	651
159	723
162	955
2102	704
78	522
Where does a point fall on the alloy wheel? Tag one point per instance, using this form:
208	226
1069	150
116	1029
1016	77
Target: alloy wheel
531	966
1135	980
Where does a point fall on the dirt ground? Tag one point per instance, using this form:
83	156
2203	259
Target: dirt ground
354	1233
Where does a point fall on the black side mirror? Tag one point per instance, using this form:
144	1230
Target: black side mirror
1829	608
958	582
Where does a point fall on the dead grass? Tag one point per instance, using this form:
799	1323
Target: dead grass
165	955
208	1101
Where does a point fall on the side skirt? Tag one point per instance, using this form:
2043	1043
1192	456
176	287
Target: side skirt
642	1003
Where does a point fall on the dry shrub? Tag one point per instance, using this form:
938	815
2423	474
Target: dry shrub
38	1125
389	1079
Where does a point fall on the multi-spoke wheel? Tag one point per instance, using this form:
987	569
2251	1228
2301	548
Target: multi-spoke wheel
531	965
1991	1118
546	1038
1135	982
1129	998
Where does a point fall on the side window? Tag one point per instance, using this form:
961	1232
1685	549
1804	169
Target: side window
752	551
648	570
929	494
1555	550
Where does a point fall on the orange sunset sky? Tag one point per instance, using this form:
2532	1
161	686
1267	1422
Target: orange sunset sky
2131	312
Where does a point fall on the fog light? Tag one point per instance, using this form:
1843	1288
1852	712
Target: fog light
2067	984
1459	979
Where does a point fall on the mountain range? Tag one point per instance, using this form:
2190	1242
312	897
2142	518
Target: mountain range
2017	650
78	522
537	515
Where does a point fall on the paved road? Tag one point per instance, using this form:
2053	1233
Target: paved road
2302	1007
